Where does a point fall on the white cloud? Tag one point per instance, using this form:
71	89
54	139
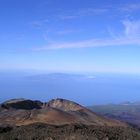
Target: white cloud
130	36
83	13
92	11
131	7
132	28
91	43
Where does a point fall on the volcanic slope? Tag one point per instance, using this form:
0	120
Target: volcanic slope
58	119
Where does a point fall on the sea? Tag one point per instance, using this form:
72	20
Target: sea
85	89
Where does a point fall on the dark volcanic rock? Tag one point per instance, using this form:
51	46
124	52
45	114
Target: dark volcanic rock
22	104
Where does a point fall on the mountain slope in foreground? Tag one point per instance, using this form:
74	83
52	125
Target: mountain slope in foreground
58	119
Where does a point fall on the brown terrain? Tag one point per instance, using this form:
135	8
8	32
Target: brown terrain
57	120
127	112
58	112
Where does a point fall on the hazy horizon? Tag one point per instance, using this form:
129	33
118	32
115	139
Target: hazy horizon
86	89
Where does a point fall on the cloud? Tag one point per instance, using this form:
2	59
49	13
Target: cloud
127	8
130	36
132	28
83	13
130	7
39	23
90	43
93	11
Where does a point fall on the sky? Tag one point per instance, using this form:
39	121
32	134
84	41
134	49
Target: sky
70	35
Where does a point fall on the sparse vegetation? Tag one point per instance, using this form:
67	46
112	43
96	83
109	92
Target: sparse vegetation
69	132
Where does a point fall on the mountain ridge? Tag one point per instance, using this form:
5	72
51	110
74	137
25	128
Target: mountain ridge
57	111
58	119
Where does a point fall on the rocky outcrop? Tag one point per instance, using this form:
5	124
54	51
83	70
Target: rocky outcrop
21	104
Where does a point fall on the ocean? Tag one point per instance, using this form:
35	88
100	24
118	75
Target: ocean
89	89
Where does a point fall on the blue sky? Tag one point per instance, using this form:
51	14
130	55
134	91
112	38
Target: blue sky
70	35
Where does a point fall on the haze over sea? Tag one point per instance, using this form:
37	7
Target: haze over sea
86	89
